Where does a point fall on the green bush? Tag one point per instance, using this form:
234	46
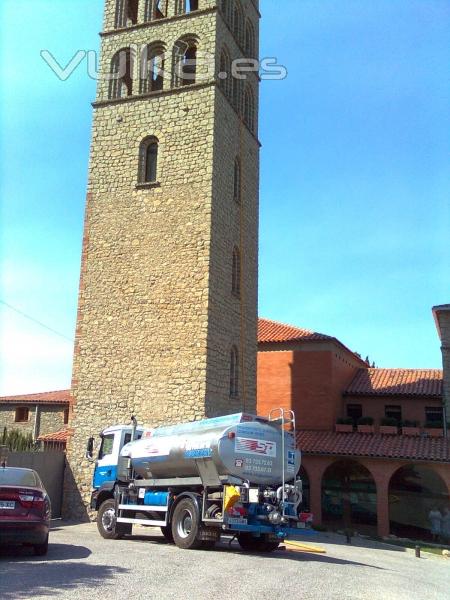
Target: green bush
344	421
389	422
365	421
16	441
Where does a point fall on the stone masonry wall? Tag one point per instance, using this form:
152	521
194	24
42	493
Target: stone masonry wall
51	419
156	318
8	415
234	224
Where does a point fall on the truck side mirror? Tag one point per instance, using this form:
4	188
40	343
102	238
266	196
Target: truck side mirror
90	449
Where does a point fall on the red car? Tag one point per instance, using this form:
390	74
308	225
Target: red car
25	509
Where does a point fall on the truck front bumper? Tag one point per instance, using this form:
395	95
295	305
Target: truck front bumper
279	532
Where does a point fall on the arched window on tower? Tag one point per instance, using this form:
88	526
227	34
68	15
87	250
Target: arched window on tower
238	19
152	68
249	108
227	10
184	68
121	74
236	273
236	85
234	373
148	160
225	73
249	39
237	180
126	13
185	6
155	9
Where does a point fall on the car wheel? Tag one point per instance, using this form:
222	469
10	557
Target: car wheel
106	522
41	549
185	524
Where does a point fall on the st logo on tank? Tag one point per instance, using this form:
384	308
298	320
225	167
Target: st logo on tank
252	446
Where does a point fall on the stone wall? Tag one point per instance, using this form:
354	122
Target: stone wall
51	419
156	316
8	416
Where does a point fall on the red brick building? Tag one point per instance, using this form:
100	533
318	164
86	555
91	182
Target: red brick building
384	480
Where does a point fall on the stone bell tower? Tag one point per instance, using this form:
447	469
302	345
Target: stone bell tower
167	314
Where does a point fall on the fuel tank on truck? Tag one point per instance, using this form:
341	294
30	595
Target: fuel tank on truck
240	445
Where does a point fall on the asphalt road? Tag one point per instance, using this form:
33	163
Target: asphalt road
81	565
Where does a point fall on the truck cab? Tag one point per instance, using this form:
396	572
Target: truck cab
112	440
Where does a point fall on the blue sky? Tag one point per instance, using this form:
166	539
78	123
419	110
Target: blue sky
355	216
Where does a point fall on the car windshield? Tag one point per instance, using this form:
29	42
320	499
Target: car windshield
10	476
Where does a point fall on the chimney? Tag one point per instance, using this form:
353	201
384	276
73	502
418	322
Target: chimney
442	318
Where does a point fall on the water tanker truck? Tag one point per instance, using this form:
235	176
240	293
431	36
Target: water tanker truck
196	481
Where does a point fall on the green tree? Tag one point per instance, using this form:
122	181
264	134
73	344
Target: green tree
16	441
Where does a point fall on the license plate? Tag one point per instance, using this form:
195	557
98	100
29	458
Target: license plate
6	505
237	521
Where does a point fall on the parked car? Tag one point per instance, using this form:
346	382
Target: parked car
25	509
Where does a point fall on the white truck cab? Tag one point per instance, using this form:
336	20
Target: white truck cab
113	439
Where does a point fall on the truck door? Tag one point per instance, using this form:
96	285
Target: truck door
106	465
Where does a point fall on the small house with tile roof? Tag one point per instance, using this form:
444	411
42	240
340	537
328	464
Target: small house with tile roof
36	414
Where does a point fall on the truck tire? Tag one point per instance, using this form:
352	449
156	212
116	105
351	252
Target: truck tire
106	524
167	533
249	543
185	525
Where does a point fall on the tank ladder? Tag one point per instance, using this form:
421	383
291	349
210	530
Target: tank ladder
284	417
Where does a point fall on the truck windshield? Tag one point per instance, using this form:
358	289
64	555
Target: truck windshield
107	445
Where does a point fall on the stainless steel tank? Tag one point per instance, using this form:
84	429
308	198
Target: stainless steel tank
240	445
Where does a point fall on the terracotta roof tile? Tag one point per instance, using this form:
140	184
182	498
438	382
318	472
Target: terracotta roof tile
59	436
374	445
59	397
393	382
271	331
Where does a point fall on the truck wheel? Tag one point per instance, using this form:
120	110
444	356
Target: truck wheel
167	533
106	522
250	543
185	524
